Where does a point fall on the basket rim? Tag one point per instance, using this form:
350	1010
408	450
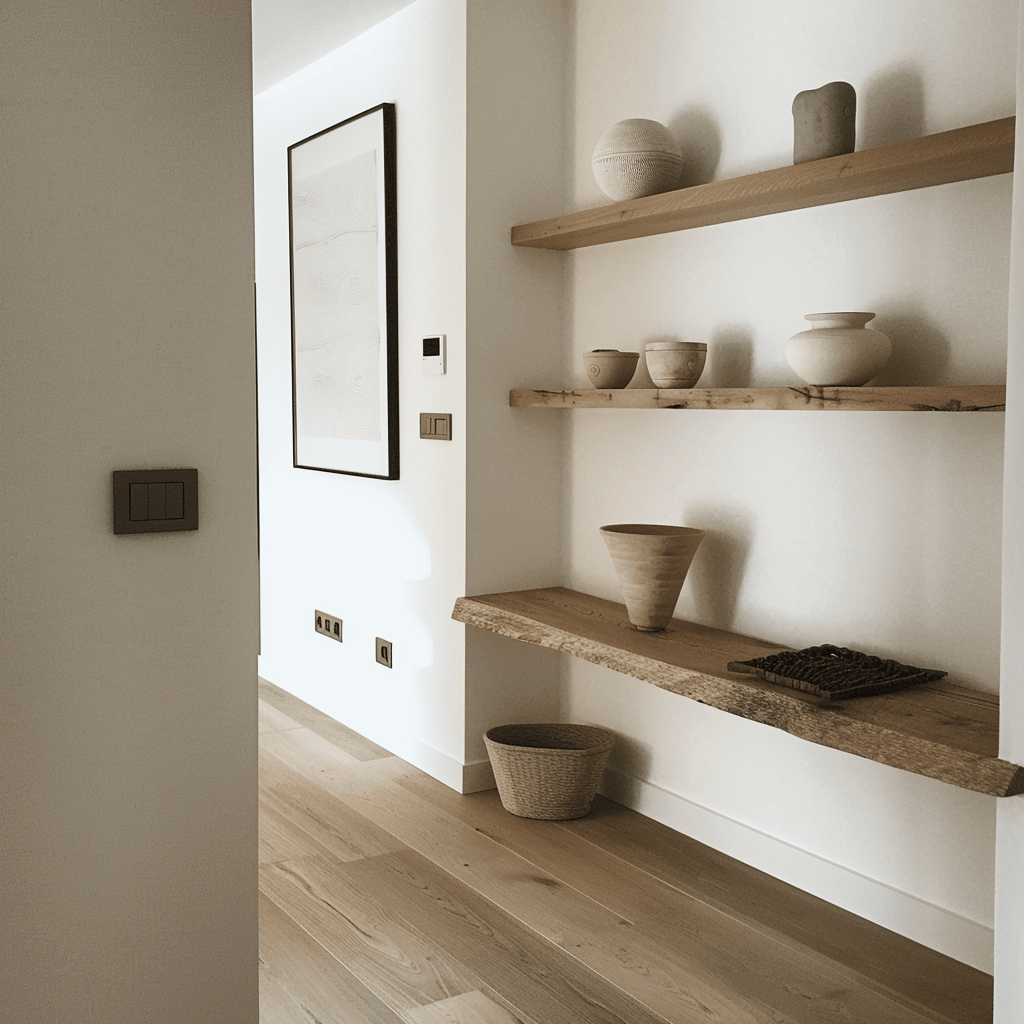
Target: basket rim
604	738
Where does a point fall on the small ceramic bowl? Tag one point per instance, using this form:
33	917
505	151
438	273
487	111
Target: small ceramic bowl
676	364
610	368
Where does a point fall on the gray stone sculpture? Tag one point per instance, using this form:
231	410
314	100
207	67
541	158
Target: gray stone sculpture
824	122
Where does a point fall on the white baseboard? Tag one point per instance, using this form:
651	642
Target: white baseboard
463	778
933	926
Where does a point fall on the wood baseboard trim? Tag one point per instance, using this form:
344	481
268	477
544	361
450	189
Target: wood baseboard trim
956	936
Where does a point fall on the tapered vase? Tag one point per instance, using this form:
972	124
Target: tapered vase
651	562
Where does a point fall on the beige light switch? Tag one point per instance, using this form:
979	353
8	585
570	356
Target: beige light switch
436	426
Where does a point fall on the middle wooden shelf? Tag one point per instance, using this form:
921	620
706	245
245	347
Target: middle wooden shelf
938	398
939	730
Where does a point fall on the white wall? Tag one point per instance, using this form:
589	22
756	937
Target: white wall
391	557
127	740
515	477
387	557
1009	918
878	532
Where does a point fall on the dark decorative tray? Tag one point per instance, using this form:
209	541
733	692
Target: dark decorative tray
835	673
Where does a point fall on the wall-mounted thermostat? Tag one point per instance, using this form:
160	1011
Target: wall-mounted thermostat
434	360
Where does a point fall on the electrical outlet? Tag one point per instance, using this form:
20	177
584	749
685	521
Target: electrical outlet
384	652
328	625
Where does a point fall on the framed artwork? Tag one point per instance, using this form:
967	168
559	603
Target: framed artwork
343	239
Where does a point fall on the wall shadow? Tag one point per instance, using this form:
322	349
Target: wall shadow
716	576
700	140
920	350
730	359
892	107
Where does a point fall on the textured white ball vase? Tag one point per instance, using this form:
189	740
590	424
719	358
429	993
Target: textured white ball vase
675	364
651	562
838	351
635	158
610	368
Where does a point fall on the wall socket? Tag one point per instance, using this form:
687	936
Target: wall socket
328	625
384	653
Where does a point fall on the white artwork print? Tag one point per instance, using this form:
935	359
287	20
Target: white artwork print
335	226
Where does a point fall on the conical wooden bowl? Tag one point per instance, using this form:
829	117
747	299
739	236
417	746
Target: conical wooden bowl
651	562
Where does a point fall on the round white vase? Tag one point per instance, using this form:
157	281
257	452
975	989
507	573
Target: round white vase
636	157
838	351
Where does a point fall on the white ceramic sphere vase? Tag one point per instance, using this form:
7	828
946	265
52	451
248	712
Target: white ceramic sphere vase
636	157
838	351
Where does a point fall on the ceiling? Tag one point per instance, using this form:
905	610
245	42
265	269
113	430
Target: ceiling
289	34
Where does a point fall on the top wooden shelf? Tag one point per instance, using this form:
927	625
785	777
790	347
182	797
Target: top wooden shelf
977	151
938	730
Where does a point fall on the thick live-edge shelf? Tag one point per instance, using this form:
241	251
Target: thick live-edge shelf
970	398
977	151
939	730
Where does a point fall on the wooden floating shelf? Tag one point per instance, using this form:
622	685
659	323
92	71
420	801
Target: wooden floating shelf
972	398
978	151
938	730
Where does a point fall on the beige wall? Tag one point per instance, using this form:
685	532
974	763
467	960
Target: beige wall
127	727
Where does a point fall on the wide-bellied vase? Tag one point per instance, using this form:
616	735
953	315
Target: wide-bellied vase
839	350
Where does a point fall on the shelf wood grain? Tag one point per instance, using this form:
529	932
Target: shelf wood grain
938	730
977	151
969	398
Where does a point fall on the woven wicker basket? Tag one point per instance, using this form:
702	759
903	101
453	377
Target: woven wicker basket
548	771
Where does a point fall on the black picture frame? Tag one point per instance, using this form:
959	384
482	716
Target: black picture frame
343	244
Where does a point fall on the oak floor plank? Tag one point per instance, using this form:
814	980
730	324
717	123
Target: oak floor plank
340	735
272	719
713	967
532	977
470	1008
553	909
665	977
301	982
488	913
397	964
280	839
601	861
919	976
308	811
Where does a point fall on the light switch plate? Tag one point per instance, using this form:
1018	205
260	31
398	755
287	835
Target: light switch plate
436	426
156	500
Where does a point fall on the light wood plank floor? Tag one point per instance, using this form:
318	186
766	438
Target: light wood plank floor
385	898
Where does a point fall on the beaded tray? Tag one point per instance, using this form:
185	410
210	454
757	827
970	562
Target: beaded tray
835	673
